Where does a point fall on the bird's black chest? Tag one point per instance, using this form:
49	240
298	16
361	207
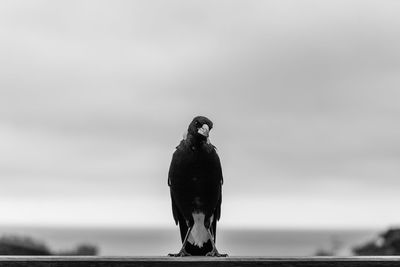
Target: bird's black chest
197	167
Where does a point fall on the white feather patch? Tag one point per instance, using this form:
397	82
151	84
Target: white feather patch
199	234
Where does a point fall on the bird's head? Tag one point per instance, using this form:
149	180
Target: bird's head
200	127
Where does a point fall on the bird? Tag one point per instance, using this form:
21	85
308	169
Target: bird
195	181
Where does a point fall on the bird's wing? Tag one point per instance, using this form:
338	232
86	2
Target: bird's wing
218	175
171	173
175	211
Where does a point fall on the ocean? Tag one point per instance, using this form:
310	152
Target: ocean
160	242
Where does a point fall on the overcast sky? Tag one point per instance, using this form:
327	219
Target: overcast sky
304	95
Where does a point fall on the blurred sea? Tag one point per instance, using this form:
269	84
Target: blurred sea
160	242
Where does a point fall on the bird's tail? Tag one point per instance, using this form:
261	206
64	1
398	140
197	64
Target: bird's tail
199	242
199	234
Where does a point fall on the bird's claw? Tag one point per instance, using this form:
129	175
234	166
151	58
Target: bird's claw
181	253
215	253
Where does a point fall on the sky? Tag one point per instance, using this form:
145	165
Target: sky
304	96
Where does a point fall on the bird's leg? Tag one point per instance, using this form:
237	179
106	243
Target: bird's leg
214	252
183	252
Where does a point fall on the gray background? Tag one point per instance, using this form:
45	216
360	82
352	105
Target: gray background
95	95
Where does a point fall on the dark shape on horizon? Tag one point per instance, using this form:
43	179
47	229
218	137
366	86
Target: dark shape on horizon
13	245
387	244
26	246
195	181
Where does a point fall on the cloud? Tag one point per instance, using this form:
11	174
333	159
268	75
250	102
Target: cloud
95	95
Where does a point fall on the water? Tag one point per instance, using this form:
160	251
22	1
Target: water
160	242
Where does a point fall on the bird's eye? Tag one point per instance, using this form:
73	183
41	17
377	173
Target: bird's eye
198	124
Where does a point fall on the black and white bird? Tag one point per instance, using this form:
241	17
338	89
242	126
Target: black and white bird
195	181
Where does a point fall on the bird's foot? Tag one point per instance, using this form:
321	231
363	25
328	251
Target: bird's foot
215	253
181	253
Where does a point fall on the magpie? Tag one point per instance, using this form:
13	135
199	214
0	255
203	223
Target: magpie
195	181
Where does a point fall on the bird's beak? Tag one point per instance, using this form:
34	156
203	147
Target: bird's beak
204	130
